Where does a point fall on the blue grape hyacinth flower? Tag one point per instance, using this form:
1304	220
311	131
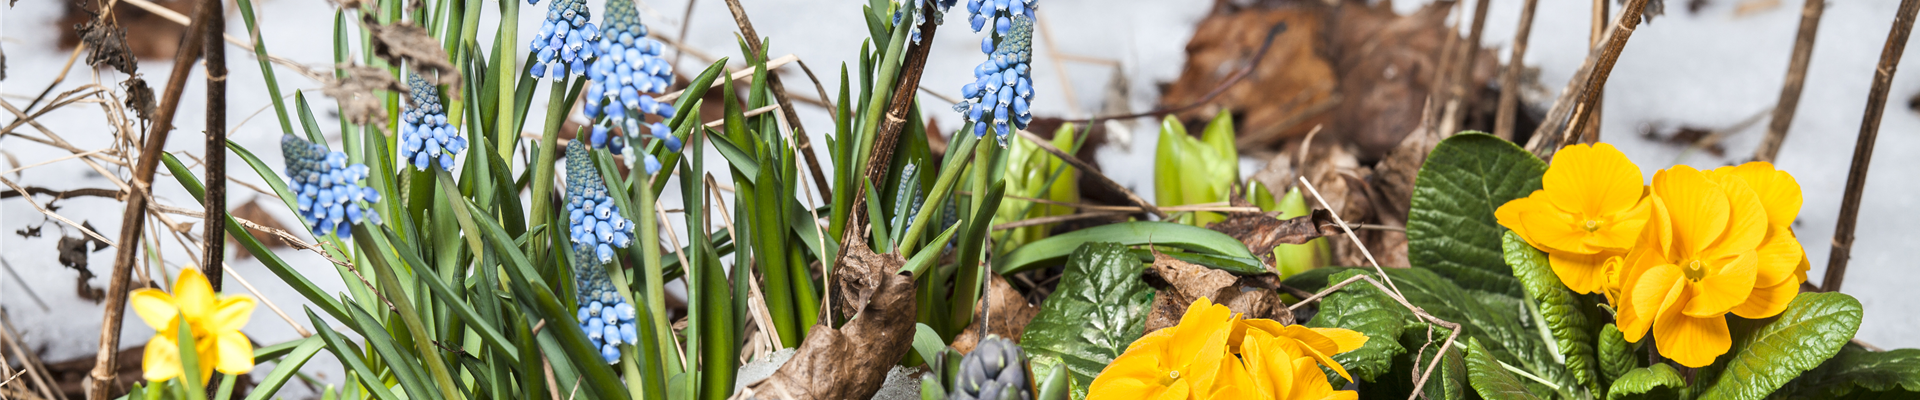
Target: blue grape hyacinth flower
940	8
596	225
624	79
561	48
327	189
1000	12
604	315
1002	94
425	137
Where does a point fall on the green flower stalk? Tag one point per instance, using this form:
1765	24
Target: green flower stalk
1033	173
1195	171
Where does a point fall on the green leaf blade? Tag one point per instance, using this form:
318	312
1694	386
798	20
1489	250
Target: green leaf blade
1656	382
1450	228
1811	330
1363	308
1099	309
1564	312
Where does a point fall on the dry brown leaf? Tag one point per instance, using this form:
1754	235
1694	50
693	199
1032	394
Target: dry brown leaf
403	41
1262	231
852	362
107	46
1008	315
139	96
358	102
1187	282
1271	104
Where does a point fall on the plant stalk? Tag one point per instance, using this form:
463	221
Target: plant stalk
1796	79
1863	148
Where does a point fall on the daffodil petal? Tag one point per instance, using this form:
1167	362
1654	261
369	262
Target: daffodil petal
234	352
153	306
1693	342
193	295
232	313
1723	289
162	359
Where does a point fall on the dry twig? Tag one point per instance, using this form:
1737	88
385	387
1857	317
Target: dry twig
1796	78
1863	148
1584	85
1510	81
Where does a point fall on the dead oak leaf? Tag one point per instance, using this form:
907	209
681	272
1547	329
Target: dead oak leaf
404	41
358	102
851	362
1187	282
1262	231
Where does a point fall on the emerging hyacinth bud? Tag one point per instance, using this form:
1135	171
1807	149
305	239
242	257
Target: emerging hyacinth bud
425	137
327	189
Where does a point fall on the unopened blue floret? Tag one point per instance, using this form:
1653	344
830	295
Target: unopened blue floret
561	48
425	137
327	189
604	315
624	79
1002	92
596	225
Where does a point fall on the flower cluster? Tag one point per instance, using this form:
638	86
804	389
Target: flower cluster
1003	87
1213	354
1673	257
624	78
940	8
327	188
604	315
597	227
214	321
425	136
561	47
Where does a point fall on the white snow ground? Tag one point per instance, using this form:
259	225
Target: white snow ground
1710	69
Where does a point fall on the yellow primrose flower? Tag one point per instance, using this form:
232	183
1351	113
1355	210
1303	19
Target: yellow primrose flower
1177	362
1280	372
1699	263
1783	263
1590	208
215	323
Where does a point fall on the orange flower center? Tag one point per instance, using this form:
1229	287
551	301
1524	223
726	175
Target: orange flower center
1695	270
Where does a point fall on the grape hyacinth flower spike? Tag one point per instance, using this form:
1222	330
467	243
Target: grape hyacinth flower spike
1002	94
425	136
624	79
597	227
940	8
604	315
327	189
561	48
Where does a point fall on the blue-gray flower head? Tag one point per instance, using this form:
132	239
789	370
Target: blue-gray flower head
562	47
596	226
1002	92
603	314
939	9
425	137
326	188
625	78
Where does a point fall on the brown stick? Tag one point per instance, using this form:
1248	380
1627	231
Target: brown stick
1510	81
887	135
214	248
1462	95
800	140
1592	132
1580	90
103	375
1863	149
1796	78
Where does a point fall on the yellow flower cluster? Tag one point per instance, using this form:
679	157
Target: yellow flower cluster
1673	257
1213	354
215	323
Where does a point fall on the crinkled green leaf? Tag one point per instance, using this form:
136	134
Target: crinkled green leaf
1811	330
1616	355
1363	308
1100	307
1858	372
1490	379
1656	382
1564	312
1447	382
1450	228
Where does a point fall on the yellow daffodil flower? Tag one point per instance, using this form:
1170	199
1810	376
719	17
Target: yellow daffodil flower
1591	208
1178	362
1697	265
215	323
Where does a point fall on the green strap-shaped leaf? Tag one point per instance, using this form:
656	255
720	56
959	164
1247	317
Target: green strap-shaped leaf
1450	228
1100	307
1858	372
1047	252
1363	308
1656	382
1564	312
1490	379
1811	330
1616	355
